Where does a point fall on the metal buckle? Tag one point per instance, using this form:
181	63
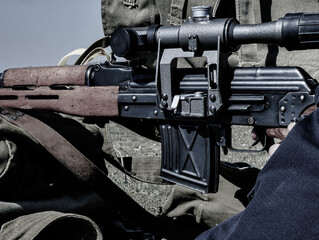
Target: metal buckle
130	3
10	114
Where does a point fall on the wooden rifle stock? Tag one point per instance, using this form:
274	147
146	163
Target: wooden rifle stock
61	89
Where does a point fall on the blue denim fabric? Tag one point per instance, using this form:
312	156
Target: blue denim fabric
286	198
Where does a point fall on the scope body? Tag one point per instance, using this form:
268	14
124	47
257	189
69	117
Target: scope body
295	31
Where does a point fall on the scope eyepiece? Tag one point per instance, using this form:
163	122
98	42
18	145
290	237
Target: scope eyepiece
300	31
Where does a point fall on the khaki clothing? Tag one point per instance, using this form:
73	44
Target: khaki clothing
50	225
40	197
33	184
259	55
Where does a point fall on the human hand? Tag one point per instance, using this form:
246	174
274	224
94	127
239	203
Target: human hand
281	133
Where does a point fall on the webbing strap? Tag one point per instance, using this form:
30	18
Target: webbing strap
64	60
71	158
245	15
215	8
101	43
177	10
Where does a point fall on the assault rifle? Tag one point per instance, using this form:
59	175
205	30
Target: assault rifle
194	108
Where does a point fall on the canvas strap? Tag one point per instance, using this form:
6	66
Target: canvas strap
80	166
177	12
245	15
89	174
99	44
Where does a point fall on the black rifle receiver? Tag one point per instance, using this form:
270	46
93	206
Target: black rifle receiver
193	107
196	107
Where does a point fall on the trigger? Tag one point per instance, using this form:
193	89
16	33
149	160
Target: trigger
260	133
261	137
256	142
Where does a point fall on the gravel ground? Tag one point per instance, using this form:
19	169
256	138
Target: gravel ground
152	196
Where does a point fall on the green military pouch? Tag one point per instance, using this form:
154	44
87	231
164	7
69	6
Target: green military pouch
128	13
139	13
51	225
259	55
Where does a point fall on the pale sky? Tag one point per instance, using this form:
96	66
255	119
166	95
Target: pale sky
41	32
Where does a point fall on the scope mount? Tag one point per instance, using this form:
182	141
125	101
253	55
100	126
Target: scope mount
198	104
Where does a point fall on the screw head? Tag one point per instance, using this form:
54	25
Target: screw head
212	109
155	112
126	108
212	97
302	98
282	108
251	121
198	94
164	104
97	68
134	98
164	96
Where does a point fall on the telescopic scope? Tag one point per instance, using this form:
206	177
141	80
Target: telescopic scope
202	32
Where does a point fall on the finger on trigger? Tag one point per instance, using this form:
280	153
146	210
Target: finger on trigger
279	133
309	110
253	134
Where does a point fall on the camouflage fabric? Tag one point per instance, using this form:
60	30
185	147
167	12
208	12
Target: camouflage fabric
176	11
204	209
139	13
180	203
33	183
50	225
256	11
128	13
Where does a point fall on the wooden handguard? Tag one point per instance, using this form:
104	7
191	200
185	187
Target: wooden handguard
45	76
36	88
